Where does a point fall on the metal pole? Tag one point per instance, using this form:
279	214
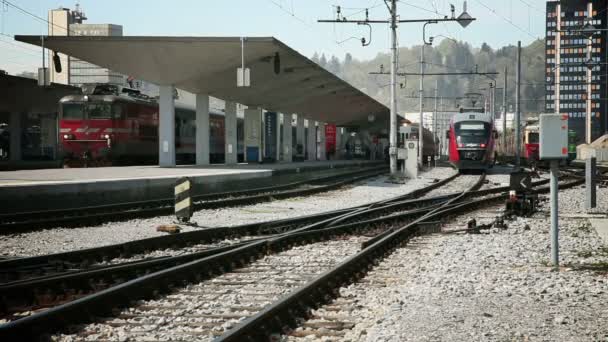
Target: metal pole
442	129
518	108
504	113
43	62
435	132
421	94
393	128
494	103
554	212
590	186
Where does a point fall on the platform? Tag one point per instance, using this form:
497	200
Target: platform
58	188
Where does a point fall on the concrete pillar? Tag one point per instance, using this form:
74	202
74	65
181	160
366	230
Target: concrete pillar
166	127
300	132
311	149
279	148
202	129
287	139
15	136
322	152
253	129
338	154
230	141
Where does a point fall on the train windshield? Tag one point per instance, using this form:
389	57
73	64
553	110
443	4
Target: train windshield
533	138
472	133
73	111
99	110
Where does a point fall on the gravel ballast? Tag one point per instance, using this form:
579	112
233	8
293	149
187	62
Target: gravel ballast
66	239
497	286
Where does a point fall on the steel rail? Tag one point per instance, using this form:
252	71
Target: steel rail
104	301
150	285
22	293
262	249
97	254
281	315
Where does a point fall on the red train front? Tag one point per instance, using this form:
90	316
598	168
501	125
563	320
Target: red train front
471	141
87	129
531	138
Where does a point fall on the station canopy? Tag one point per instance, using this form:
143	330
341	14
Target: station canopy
282	79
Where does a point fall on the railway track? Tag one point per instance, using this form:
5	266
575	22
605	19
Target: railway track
110	297
29	295
295	309
78	217
375	223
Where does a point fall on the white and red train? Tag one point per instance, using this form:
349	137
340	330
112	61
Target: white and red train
116	125
471	141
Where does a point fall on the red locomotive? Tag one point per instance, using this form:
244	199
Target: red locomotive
471	141
111	125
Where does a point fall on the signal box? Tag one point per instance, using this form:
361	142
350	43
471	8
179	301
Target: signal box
553	136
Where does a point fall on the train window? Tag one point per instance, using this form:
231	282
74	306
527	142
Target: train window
99	111
117	111
533	138
73	111
472	133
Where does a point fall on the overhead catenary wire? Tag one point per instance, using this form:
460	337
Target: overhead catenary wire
27	12
310	27
509	21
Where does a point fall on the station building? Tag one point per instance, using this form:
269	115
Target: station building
36	142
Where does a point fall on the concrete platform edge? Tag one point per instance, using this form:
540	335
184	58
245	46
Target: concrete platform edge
32	197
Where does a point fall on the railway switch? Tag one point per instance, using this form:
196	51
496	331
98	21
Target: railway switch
521	201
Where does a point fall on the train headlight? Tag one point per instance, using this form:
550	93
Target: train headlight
66	136
106	136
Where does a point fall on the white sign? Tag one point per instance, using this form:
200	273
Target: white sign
242	77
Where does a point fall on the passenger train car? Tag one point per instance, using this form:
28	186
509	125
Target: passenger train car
114	125
471	141
531	140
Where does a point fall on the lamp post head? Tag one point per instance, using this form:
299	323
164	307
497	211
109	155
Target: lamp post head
464	19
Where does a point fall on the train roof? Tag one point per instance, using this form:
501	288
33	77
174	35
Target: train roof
471	116
114	98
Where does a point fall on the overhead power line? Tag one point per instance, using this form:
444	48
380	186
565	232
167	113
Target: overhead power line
22	10
509	21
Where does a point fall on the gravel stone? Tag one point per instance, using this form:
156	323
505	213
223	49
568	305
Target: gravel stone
496	286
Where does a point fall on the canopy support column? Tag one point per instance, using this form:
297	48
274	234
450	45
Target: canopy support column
322	152
300	134
202	129
166	126
15	137
287	138
230	138
338	153
311	149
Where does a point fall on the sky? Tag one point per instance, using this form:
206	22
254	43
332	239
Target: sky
294	22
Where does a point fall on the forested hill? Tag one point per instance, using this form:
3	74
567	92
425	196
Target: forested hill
448	56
